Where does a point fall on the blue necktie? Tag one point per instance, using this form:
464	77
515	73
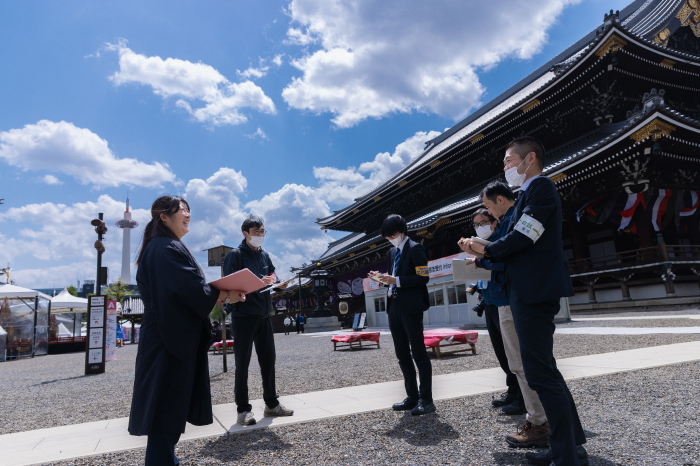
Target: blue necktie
397	258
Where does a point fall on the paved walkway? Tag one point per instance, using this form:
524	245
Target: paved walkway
94	438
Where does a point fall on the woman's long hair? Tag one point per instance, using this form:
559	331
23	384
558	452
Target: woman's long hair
167	205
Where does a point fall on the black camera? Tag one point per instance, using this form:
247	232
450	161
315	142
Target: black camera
480	308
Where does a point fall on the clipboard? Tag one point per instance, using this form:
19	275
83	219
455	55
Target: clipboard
476	239
468	273
243	280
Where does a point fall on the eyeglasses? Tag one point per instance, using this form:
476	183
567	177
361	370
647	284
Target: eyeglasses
482	223
258	232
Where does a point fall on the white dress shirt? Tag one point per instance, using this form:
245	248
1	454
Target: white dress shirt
400	249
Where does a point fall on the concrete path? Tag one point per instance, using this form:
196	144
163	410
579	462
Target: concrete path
94	438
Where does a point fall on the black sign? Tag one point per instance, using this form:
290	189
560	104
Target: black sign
96	335
344	295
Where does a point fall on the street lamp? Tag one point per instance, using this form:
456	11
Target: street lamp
321	282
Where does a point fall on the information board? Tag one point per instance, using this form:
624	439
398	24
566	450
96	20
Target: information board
111	335
95	342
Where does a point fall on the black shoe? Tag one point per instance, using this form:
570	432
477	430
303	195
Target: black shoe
423	407
506	398
544	458
406	405
515	408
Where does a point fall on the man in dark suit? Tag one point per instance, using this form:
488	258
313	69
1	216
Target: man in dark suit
536	277
408	299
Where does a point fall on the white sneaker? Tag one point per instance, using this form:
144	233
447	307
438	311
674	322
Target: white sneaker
278	410
246	418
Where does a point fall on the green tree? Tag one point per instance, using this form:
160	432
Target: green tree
117	291
72	290
216	314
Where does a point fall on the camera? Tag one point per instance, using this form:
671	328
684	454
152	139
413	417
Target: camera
480	308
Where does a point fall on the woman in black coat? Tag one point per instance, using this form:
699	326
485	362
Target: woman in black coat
171	386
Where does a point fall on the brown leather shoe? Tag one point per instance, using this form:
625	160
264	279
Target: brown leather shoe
529	435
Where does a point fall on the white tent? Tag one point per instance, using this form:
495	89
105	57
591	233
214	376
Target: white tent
63	331
13	291
64	302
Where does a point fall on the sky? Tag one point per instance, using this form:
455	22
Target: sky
286	109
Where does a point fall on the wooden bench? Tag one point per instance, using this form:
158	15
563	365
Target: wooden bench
219	348
437	339
354	340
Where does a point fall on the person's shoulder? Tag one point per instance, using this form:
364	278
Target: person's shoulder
414	244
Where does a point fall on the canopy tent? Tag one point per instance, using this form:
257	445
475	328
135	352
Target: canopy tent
64	303
13	291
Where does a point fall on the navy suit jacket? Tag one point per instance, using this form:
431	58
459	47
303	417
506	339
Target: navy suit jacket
412	295
535	270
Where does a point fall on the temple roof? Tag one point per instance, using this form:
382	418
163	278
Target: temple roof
642	20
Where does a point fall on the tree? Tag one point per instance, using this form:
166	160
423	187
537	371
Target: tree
72	290
117	291
216	314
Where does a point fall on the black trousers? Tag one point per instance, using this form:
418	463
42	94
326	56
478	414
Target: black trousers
534	324
493	324
246	332
407	333
160	449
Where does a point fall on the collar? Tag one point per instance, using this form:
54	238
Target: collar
400	246
523	188
244	245
503	217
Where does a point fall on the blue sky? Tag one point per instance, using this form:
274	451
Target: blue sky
285	108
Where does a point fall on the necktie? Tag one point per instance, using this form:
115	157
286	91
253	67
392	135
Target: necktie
397	258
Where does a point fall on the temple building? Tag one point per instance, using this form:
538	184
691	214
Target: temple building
619	115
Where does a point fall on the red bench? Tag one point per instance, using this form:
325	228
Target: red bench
355	339
443	337
218	346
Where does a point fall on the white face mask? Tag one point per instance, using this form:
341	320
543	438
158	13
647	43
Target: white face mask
396	241
484	231
514	178
256	241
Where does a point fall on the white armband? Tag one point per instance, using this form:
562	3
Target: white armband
530	227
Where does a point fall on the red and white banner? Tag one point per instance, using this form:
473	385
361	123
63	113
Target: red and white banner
633	201
660	205
691	200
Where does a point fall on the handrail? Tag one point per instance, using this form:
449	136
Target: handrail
660	253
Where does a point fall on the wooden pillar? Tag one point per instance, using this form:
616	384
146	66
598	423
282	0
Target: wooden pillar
591	293
625	290
667	275
579	242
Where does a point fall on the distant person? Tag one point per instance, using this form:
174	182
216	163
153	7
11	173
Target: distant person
538	277
252	324
408	299
287	322
301	320
171	384
120	335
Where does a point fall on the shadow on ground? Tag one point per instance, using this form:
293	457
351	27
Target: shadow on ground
236	447
415	430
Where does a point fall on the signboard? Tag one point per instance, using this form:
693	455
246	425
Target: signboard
95	344
111	341
443	266
363	316
356	322
370	285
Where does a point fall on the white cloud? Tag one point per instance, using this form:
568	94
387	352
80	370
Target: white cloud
277	60
378	58
254	73
65	148
51	180
201	90
257	134
342	186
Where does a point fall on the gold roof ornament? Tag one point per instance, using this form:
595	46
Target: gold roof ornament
613	44
476	138
558	177
654	129
668	63
530	105
689	15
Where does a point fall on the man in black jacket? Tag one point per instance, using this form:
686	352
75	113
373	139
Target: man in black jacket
536	277
251	323
408	299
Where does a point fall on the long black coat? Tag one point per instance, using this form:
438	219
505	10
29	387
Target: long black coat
171	386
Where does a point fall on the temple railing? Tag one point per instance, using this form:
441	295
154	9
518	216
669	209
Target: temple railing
662	254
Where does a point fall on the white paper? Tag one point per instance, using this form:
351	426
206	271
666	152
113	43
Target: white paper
96	337
97	315
95	356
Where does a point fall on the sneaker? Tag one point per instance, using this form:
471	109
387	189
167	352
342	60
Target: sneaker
278	410
529	435
504	400
246	418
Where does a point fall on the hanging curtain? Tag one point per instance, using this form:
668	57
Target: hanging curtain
633	201
691	200
661	213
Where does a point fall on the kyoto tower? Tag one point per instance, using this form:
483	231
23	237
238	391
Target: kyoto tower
126	224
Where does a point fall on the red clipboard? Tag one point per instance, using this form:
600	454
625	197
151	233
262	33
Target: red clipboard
243	280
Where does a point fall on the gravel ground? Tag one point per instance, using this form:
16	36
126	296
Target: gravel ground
49	391
694	311
656	427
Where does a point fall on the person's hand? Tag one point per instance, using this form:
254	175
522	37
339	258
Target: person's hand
462	243
268	279
474	248
389	280
471	261
236	297
283	287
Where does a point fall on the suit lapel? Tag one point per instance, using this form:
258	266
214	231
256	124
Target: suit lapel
516	212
